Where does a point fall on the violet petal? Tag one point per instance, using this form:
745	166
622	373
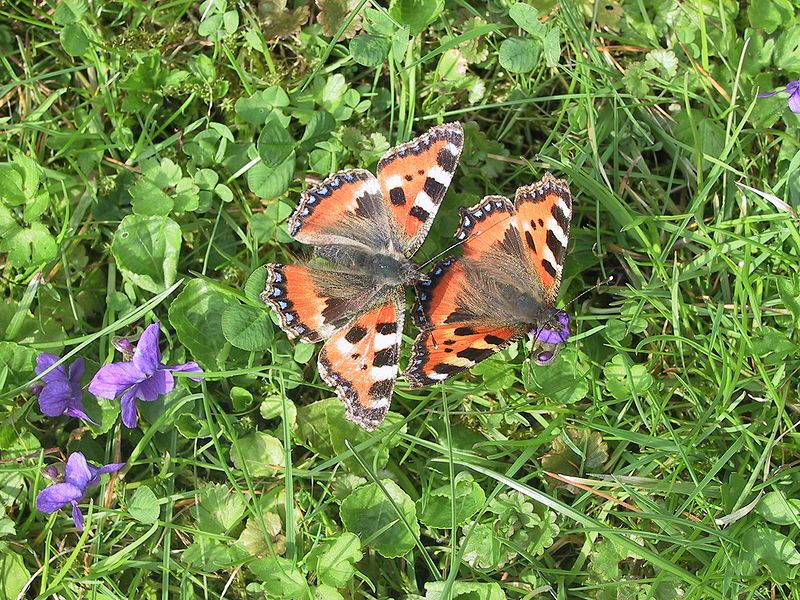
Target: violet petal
50	499
794	102
44	362
96	472
147	356
54	398
160	382
76	370
78	471
113	379
768	94
76	412
77	516
110	468
128	408
189	367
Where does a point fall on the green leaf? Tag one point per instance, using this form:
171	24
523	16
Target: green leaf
260	454
208	148
552	47
255	284
17	364
566	381
27	246
481	549
318	129
280	578
268	182
303	353
219	509
14	576
146	250
519	55
270	225
776	508
11	185
770	14
247	327
370	50
196	314
527	18
764	546
436	507
663	61
415	14
625	379
70	11
148	199
370	514
272	408
143	505
466	590
257	108
275	144
263	535
208	554
787	50
74	40
325	429
326	592
334	560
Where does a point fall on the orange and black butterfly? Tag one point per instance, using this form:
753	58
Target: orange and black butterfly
503	287
364	229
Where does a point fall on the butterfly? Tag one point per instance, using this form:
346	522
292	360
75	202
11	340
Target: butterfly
364	229
503	287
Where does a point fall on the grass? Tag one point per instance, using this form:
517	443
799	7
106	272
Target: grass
657	458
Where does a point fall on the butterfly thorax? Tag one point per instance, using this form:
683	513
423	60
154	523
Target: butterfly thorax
388	267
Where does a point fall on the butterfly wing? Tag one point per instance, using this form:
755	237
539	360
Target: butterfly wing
346	209
361	361
313	304
453	337
543	214
414	178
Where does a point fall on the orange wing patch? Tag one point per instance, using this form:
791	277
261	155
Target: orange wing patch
361	362
414	178
446	350
484	225
544	210
327	213
437	298
292	293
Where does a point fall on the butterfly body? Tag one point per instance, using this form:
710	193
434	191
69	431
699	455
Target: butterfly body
364	229
503	288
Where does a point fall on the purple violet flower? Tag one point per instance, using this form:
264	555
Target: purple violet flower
144	377
61	393
79	477
793	89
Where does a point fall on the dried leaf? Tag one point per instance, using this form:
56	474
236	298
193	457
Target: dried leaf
562	459
332	13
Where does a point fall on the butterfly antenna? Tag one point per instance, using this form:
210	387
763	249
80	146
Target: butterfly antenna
459	242
600	284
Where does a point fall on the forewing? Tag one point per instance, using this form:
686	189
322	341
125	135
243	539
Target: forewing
485	227
346	209
313	303
544	211
361	362
414	178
